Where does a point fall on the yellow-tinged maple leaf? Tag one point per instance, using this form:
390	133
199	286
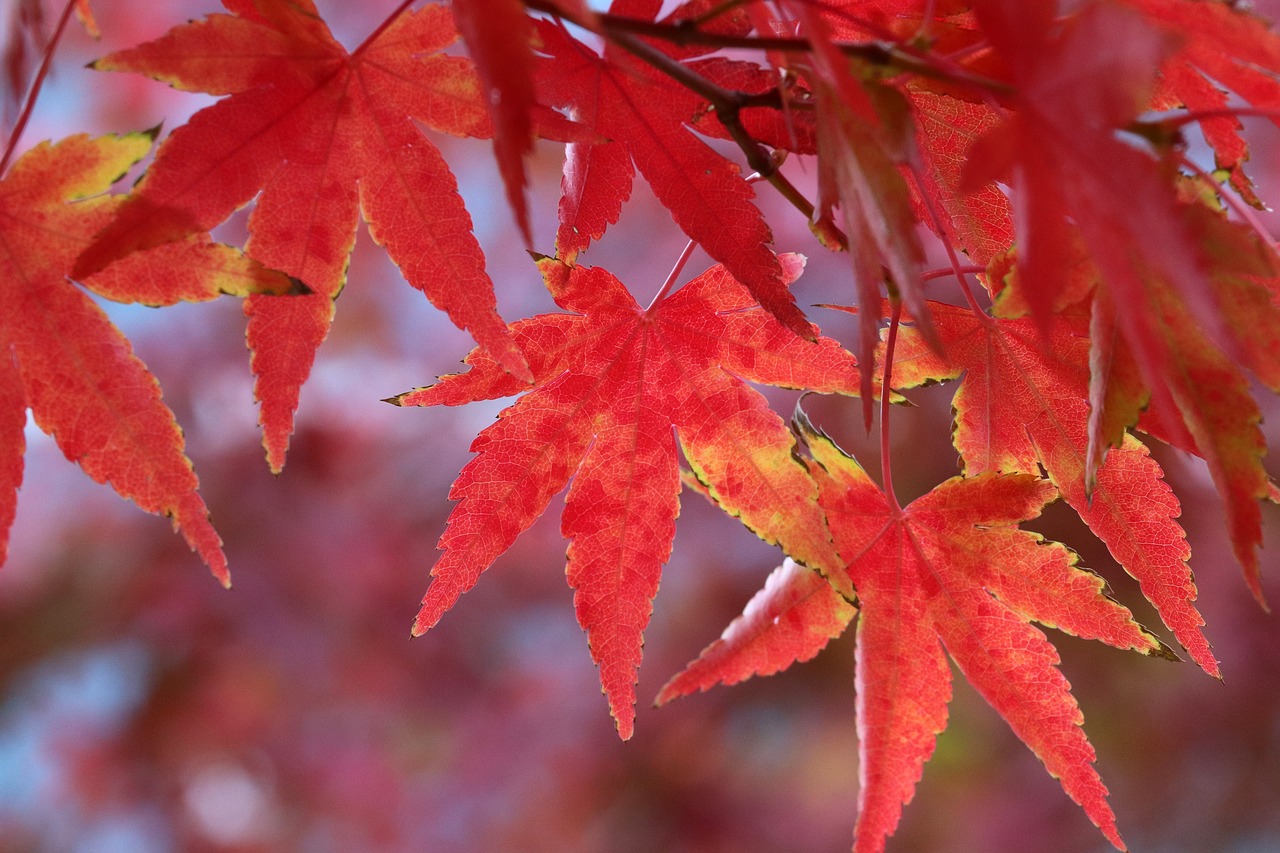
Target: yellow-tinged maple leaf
64	359
950	571
1023	404
616	388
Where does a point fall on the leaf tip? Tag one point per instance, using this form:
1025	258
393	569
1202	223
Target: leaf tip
624	719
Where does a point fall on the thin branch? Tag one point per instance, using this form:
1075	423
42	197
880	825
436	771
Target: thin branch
36	85
687	32
886	467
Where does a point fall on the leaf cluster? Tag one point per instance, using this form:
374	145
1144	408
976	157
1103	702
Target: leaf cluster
1113	291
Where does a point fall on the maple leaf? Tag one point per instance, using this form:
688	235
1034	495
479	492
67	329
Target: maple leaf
950	570
1079	85
646	118
616	386
323	135
68	363
1023	404
1211	411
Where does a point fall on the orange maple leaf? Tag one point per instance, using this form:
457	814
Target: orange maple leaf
616	386
952	570
1023	404
66	361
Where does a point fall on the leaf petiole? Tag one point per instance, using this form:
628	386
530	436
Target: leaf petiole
886	466
381	28
671	279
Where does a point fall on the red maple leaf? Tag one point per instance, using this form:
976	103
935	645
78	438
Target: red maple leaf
1079	86
1023	404
324	135
646	117
66	361
1210	408
951	570
616	388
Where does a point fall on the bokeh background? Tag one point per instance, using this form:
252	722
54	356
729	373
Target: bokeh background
143	708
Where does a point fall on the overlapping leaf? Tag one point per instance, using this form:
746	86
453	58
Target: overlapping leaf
616	387
1078	86
323	135
1023	404
952	570
1215	414
68	363
645	115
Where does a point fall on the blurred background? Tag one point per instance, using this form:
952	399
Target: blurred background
143	708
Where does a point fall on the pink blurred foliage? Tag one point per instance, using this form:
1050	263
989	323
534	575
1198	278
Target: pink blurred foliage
294	712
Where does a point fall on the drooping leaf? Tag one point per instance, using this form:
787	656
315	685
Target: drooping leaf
1217	418
646	118
323	135
857	175
497	34
616	388
1079	86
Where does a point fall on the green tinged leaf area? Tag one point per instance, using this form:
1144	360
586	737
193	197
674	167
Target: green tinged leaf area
64	359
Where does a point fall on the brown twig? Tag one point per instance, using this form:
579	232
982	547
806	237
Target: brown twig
687	32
